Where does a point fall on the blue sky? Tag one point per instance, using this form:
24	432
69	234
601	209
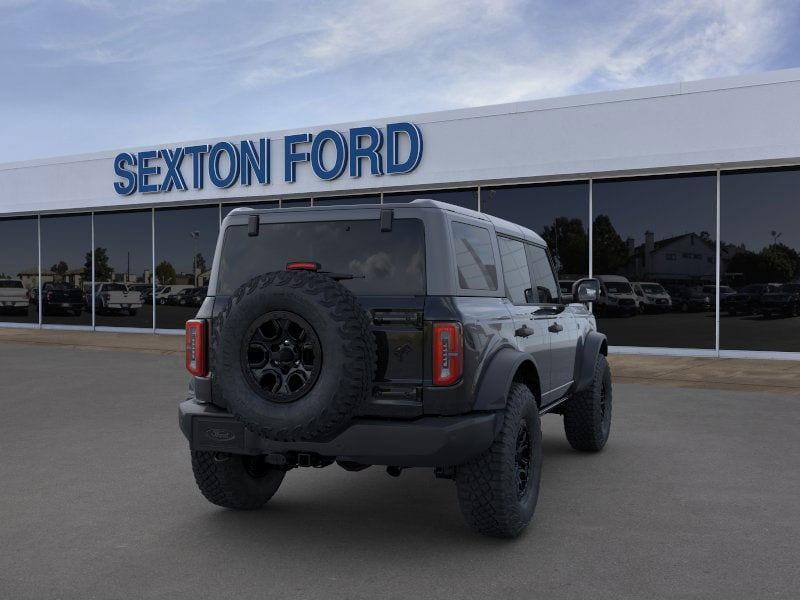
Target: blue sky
86	75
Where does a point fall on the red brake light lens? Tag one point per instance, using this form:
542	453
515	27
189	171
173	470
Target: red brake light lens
302	265
196	347
448	353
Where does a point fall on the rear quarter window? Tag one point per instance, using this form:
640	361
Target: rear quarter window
474	257
389	263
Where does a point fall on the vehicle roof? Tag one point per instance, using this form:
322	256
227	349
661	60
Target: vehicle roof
500	225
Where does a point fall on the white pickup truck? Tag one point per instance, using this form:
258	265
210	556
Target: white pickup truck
13	296
115	297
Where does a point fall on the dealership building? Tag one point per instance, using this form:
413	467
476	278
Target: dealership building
686	192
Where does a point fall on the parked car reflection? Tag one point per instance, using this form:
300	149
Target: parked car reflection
748	299
113	298
62	298
616	296
652	297
783	302
691	299
14	298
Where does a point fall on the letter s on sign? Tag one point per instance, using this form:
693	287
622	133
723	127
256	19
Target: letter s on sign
128	185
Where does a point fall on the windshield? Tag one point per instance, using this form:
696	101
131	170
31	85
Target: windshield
617	287
10	283
653	288
383	263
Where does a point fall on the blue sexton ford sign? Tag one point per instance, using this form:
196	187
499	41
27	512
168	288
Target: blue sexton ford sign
225	164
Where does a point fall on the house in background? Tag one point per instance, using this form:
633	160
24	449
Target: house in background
686	259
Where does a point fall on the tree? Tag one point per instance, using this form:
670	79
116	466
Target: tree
60	268
102	270
610	252
568	242
774	264
200	263
165	273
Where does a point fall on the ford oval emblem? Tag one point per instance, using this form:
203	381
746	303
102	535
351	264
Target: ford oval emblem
220	435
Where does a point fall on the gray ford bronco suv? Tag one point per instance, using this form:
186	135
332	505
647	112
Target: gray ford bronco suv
402	335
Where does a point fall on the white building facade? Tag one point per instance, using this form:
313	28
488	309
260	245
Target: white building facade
711	164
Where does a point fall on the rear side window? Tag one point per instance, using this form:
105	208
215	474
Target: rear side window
474	257
389	263
515	270
542	273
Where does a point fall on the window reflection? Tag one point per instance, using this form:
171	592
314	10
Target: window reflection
123	269
227	208
19	270
347	200
185	241
557	212
464	198
654	254
66	267
302	202
760	260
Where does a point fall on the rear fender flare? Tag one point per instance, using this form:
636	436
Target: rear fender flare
498	376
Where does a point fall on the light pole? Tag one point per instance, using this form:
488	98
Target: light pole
195	236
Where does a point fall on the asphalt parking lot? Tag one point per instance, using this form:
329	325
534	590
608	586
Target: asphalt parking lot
696	496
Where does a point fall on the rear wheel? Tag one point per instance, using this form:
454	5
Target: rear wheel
235	481
587	416
498	490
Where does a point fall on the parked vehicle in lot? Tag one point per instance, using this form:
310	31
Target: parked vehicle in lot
145	291
62	298
112	298
162	295
748	299
402	335
691	299
785	301
194	297
14	298
616	296
725	292
651	297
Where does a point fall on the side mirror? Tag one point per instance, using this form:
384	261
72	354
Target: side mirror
585	290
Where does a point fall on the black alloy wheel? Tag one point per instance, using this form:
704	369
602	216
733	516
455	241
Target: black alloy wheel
283	357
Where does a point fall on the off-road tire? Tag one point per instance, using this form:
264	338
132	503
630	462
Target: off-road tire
587	416
348	351
235	481
487	486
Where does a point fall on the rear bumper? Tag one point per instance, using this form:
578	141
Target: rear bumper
424	442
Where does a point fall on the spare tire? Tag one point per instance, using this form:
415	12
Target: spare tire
293	355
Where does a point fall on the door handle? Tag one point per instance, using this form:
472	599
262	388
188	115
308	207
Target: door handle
555	328
523	331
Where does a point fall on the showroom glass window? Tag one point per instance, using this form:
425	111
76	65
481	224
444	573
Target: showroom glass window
66	269
19	270
296	203
760	260
558	212
185	239
467	198
123	269
347	200
655	255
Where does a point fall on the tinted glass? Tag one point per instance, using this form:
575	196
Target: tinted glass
19	266
66	266
474	257
123	256
347	200
759	217
515	270
657	230
542	272
227	208
463	198
384	263
185	243
557	212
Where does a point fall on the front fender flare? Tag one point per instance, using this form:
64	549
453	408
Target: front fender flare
594	344
498	376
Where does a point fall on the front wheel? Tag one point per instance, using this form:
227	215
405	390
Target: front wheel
498	490
235	481
587	416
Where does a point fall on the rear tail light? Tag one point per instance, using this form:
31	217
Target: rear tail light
448	353
196	347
